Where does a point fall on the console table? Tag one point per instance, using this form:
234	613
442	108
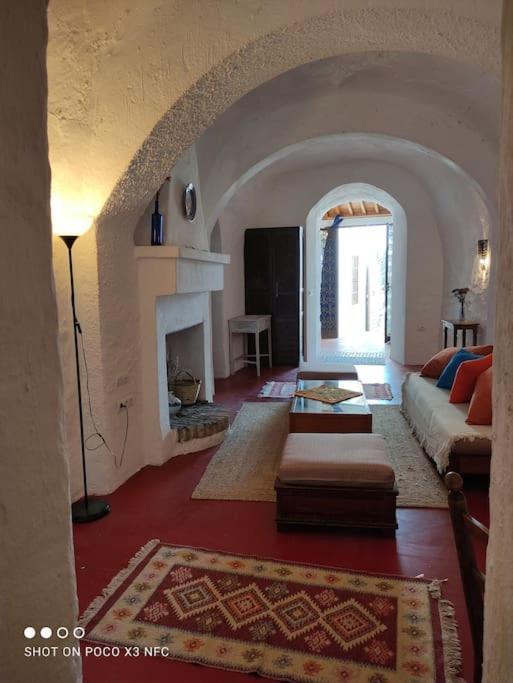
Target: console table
455	326
250	324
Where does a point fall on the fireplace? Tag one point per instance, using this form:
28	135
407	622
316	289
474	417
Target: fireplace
185	352
184	336
175	285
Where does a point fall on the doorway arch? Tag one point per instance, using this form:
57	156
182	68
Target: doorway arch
341	195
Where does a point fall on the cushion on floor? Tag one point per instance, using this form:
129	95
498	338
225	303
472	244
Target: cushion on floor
347	460
344	371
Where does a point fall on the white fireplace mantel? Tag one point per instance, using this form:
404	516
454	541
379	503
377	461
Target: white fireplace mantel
191	275
179	270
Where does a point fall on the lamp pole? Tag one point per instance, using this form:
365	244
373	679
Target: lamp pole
86	509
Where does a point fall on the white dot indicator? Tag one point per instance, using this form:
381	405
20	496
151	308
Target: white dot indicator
46	632
62	632
29	632
78	632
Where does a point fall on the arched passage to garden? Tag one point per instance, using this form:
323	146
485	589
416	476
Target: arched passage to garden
341	195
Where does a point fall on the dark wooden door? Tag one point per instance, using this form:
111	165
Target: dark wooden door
258	272
272	263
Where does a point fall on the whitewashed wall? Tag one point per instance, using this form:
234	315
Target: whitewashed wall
37	576
286	200
498	626
177	229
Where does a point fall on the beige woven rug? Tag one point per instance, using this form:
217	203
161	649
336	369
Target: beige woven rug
244	467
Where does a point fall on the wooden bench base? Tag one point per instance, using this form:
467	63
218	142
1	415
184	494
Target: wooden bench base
469	464
335	506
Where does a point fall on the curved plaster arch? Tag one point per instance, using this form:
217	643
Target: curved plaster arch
426	99
461	209
286	199
366	141
412	29
341	195
118	155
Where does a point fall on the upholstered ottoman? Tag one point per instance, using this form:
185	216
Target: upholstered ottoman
344	371
340	480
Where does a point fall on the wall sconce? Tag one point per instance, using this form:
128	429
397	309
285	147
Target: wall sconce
483	253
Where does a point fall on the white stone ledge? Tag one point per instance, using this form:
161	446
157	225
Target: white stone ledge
174	252
200	255
169	252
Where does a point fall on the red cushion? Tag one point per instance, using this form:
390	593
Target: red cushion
480	409
436	365
466	378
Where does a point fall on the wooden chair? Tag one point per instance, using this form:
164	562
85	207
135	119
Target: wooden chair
473	579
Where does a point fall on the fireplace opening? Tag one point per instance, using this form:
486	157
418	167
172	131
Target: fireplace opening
185	353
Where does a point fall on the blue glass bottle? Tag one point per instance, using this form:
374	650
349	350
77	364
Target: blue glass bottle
157	225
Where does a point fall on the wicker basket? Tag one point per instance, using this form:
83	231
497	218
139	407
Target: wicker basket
187	390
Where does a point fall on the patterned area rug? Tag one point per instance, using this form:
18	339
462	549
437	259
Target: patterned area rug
281	620
378	392
272	389
244	467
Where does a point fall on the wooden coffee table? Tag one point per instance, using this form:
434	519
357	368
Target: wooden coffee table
353	415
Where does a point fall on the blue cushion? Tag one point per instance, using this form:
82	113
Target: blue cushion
446	379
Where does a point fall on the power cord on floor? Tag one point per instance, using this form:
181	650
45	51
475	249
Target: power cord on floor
97	433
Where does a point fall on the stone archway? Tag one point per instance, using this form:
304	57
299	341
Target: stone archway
105	258
340	195
146	171
109	298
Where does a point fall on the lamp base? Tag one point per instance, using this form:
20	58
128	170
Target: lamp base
95	509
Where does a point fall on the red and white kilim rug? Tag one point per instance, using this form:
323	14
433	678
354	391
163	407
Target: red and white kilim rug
281	620
378	391
274	389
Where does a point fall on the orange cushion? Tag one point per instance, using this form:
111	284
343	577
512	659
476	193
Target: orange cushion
436	365
480	409
466	378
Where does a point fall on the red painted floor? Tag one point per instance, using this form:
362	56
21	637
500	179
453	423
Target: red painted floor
156	503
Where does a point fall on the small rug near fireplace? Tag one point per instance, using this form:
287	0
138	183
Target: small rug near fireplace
244	467
272	389
281	620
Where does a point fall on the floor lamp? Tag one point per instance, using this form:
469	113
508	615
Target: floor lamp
87	509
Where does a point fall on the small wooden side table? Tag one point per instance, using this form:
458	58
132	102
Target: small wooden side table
250	324
455	326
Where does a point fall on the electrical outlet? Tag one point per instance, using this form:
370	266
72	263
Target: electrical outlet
127	402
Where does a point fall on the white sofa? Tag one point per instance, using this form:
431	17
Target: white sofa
441	429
